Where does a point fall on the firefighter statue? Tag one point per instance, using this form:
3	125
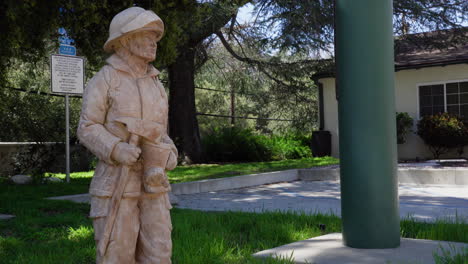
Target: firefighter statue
124	123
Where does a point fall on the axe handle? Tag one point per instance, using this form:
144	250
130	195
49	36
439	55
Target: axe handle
133	140
115	202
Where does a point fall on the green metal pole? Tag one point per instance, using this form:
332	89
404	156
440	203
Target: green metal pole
365	79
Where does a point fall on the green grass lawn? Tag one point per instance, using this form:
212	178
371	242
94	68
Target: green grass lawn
212	171
50	231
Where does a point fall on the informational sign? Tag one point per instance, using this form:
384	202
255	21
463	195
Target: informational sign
67	74
67	50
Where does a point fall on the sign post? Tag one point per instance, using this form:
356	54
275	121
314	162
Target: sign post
67	77
67	139
67	74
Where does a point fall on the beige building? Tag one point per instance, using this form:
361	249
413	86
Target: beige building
426	82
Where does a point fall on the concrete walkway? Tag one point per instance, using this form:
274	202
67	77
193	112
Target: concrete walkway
421	202
329	249
317	190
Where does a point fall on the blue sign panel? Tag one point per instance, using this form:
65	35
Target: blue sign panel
62	31
64	38
67	50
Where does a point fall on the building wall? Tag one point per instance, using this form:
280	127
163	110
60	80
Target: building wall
330	111
406	94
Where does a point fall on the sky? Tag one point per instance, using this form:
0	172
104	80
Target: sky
244	14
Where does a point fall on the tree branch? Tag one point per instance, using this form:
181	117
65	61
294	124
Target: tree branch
233	23
217	19
257	63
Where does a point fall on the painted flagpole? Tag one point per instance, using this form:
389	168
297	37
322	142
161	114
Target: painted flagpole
367	127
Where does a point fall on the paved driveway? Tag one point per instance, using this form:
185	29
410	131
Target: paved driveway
422	202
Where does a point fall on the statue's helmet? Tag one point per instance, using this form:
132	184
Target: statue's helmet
132	20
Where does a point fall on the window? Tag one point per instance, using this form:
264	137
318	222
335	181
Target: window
449	97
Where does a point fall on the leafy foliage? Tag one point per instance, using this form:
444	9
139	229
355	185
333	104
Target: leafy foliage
299	26
255	95
23	122
26	27
29	38
404	123
307	26
412	16
230	144
187	22
34	116
288	147
233	144
284	33
442	132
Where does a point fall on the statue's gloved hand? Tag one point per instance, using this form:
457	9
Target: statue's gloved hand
155	176
125	153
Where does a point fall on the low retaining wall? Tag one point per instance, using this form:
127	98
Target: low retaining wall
447	176
234	182
80	158
416	175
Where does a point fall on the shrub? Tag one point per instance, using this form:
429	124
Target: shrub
39	159
287	147
36	160
404	123
442	132
38	119
236	144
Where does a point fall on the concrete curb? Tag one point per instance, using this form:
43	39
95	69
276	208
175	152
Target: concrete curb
457	176
6	216
234	182
210	185
423	175
329	173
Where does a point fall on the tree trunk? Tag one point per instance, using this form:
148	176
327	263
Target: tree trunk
183	124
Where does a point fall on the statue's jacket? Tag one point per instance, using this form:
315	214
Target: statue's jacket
115	103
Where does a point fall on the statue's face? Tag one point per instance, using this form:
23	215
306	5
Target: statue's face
143	44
